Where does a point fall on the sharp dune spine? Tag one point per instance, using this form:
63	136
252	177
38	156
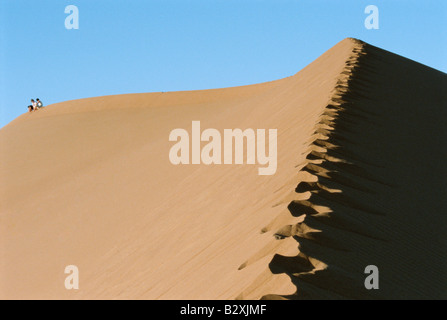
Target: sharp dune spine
370	198
328	166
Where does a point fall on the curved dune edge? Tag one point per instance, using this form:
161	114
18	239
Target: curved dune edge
344	222
89	183
320	165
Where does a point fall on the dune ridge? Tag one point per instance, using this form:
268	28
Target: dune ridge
346	221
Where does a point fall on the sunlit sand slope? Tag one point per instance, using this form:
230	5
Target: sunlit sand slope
360	181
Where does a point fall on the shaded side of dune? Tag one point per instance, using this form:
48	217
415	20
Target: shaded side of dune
378	190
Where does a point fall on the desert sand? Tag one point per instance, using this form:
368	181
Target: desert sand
361	180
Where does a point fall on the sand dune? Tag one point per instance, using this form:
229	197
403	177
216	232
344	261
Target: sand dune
360	181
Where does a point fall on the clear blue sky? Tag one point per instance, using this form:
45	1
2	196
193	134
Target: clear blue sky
169	45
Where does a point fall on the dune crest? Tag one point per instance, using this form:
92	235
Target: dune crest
369	198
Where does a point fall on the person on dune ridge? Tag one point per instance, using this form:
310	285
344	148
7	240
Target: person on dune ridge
35	105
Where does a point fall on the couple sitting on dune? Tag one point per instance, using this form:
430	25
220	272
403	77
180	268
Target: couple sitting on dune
35	105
